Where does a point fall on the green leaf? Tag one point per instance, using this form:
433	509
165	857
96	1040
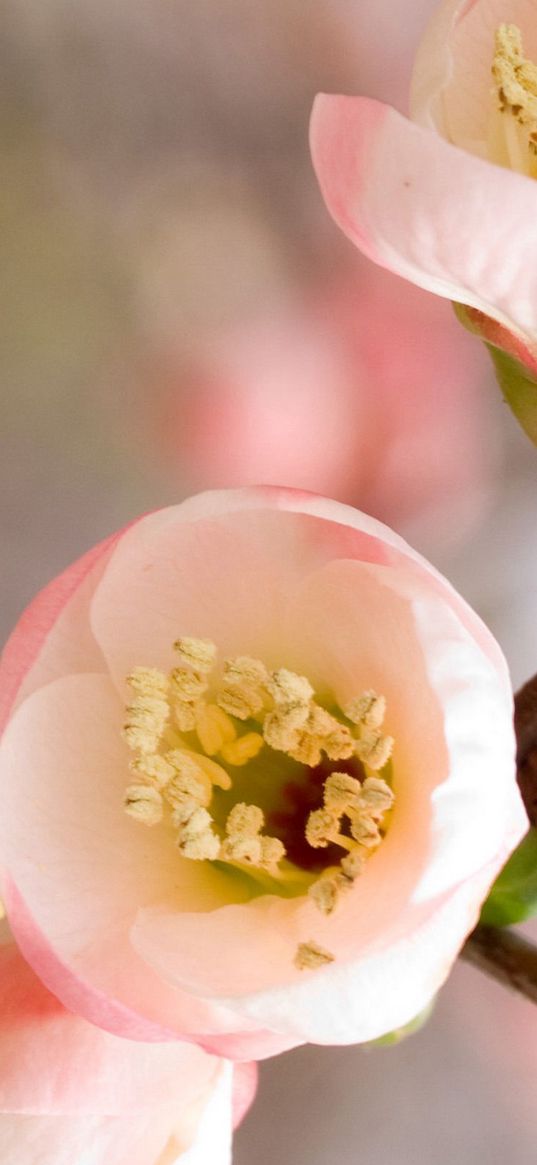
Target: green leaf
513	897
517	378
519	388
408	1029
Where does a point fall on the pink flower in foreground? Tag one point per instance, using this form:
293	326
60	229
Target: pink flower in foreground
448	200
257	776
72	1094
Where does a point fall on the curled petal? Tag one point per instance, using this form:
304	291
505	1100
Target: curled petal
427	210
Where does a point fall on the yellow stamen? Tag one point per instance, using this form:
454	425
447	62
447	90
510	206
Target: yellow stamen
243	691
309	956
246	820
376	797
342	792
144	803
374	749
155	769
214	728
368	709
327	890
365	831
322	828
513	129
216	774
200	654
286	687
240	751
179	783
196	839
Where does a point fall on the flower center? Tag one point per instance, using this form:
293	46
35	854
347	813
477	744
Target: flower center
513	125
250	770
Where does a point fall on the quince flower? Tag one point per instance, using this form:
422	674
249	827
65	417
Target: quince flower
448	200
257	776
72	1094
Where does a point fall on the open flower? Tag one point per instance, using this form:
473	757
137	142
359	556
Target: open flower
72	1093
257	776
449	200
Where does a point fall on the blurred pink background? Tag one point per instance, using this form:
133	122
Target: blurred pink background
178	312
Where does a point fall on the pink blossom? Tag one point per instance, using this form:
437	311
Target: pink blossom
71	1092
437	199
114	916
326	397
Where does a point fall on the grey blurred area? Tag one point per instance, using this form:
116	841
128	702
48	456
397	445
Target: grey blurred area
156	182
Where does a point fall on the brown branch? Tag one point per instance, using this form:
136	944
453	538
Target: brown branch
506	956
526	734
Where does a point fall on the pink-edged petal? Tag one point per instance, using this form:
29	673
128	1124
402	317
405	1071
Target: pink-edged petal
146	1137
80	869
53	1062
53	636
450	222
225	576
223	565
212	1143
245	1081
362	999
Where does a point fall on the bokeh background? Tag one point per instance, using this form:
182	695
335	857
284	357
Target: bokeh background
178	311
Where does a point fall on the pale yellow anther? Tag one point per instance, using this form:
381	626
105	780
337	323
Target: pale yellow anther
214	728
321	733
286	687
365	831
376	797
243	691
515	77
144	803
188	790
155	769
184	716
242	849
353	864
245	820
188	764
146	720
322	828
374	749
2	910
281	727
196	839
327	890
148	681
309	956
177	781
335	738
368	709
341	792
186	686
200	654
272	852
243	749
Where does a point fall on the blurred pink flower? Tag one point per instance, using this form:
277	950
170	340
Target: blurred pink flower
112	915
437	199
72	1092
361	392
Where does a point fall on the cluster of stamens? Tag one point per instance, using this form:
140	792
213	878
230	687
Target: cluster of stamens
515	80
187	729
